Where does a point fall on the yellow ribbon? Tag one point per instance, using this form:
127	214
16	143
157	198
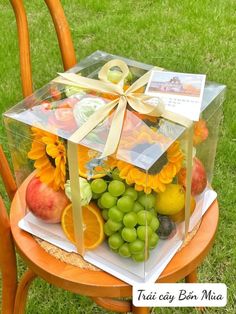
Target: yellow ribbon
139	103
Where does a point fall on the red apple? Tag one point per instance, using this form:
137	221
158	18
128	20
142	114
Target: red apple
199	177
44	202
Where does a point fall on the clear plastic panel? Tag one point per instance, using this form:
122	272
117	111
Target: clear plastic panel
129	206
19	142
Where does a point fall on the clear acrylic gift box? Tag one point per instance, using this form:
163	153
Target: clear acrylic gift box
129	207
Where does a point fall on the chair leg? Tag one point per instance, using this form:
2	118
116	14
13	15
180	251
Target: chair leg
22	291
192	277
121	306
9	286
140	310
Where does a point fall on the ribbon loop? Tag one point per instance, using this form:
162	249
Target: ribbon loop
73	79
141	105
103	73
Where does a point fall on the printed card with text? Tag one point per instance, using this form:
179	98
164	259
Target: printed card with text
181	92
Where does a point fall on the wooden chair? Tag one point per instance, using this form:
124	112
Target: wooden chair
7	249
103	288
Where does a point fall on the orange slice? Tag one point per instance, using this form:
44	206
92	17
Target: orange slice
92	224
67	223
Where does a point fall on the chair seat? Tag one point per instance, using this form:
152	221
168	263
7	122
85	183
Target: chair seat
99	283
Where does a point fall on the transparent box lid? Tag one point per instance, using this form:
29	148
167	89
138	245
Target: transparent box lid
64	116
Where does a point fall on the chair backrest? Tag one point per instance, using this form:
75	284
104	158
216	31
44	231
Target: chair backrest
68	58
6	175
63	35
7	251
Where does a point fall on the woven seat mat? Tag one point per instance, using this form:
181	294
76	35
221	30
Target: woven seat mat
78	261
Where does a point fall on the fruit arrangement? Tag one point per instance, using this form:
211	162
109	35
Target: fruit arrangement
131	220
129	208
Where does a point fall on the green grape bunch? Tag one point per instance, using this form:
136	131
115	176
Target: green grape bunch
131	222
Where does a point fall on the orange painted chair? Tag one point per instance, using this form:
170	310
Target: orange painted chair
103	288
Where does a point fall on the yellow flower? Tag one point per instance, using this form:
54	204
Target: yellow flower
49	154
154	179
164	169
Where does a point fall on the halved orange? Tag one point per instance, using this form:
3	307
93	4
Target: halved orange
92	224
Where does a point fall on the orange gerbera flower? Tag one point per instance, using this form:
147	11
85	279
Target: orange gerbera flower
200	132
49	154
158	176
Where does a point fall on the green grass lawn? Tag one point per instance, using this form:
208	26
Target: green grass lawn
185	36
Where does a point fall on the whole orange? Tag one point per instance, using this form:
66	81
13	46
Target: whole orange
180	215
171	201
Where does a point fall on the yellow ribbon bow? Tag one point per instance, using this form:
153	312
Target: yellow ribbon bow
137	101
